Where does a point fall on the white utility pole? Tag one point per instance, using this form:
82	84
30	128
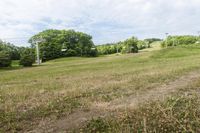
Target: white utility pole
166	37
38	49
38	53
117	49
173	41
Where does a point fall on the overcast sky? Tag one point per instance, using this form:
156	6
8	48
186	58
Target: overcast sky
105	20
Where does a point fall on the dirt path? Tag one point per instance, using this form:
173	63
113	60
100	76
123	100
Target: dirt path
78	118
160	92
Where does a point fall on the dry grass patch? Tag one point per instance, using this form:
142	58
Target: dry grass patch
64	86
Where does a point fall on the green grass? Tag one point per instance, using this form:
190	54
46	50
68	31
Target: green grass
172	52
154	46
15	63
61	87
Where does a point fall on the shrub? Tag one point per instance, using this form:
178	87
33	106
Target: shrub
27	58
5	60
93	52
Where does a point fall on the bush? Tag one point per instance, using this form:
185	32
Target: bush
27	58
5	60
93	52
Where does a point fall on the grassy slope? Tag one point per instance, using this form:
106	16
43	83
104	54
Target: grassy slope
154	46
60	87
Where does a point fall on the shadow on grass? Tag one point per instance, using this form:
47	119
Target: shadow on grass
11	68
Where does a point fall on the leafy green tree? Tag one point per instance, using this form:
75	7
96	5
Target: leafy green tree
74	43
110	48
27	57
12	50
180	40
5	60
143	44
131	45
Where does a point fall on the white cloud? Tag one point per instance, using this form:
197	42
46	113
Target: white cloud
105	20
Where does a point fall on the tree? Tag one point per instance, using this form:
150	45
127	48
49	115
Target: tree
131	45
75	43
143	44
179	40
12	50
27	57
110	48
5	60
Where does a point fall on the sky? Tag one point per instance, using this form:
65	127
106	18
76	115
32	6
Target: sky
106	20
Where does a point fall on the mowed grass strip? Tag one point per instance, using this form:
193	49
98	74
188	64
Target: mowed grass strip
59	87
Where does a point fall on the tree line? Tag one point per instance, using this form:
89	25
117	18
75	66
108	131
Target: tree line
131	45
9	52
65	43
55	44
180	40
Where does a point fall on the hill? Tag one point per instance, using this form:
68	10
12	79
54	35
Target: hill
155	90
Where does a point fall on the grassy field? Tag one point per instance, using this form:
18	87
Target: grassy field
126	93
